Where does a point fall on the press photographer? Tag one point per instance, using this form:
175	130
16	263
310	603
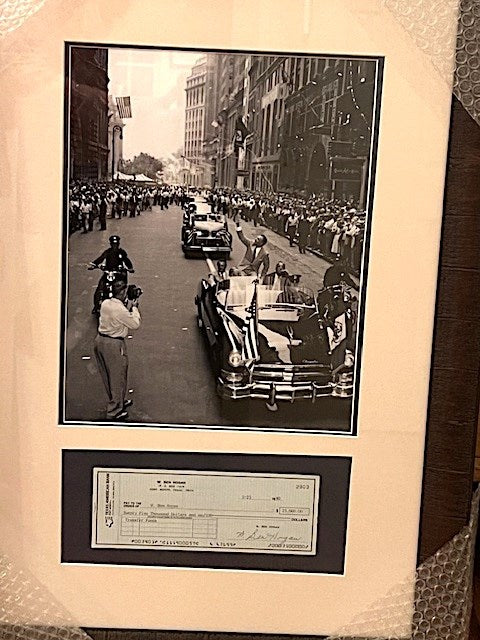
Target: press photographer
118	315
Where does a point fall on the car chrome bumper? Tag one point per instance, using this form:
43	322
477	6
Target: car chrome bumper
281	391
200	249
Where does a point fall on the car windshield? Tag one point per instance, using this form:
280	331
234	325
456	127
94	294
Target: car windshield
237	292
210	217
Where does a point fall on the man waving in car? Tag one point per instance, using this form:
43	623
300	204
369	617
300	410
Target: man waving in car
256	258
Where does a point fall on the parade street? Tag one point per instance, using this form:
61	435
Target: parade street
170	378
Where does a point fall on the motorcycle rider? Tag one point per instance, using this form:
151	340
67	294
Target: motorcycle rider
114	258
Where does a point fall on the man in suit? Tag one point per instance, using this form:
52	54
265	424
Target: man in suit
256	258
278	278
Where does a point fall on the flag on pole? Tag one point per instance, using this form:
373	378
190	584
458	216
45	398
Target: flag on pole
241	132
232	329
124	107
338	333
249	331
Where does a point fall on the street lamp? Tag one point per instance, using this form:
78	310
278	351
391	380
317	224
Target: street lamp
118	128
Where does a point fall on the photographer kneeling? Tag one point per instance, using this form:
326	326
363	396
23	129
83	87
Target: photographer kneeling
117	315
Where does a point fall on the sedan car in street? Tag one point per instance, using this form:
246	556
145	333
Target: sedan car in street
205	232
277	344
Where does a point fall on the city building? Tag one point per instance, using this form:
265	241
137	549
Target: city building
89	114
327	126
266	114
115	138
293	124
200	113
230	90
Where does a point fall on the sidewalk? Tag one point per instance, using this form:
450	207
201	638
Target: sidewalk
311	265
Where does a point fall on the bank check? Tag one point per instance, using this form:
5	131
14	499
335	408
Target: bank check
205	511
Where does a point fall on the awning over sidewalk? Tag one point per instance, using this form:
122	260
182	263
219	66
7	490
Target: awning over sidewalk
139	177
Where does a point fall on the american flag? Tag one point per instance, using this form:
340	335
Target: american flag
249	331
124	107
338	333
231	328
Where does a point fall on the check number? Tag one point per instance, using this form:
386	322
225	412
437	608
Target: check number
205	511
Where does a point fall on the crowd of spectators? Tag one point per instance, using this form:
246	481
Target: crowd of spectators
92	202
329	227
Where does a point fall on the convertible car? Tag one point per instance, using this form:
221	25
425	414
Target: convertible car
277	343
205	232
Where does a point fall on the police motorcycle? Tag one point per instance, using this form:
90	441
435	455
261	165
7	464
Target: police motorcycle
105	285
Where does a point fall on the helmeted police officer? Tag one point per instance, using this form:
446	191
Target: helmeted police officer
114	259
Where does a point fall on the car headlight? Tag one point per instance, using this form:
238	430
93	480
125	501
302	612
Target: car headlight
232	376
234	358
349	359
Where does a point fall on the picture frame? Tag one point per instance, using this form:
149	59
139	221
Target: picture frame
389	440
295	84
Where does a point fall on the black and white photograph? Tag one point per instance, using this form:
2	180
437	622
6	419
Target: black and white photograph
217	216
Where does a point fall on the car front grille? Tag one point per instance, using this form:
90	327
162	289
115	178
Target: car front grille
293	374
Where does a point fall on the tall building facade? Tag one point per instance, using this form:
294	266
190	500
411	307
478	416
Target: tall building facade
327	127
200	112
89	114
230	87
266	115
292	124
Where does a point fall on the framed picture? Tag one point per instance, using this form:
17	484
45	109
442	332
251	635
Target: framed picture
255	198
266	451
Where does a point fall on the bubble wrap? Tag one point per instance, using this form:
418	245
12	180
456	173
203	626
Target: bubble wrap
441	591
13	13
23	598
442	596
429	23
467	60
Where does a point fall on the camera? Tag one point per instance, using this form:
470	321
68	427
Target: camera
133	292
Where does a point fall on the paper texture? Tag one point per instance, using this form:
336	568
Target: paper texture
204	511
387	455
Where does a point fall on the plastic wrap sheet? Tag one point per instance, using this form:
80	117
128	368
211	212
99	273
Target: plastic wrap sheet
467	68
13	13
23	597
427	21
442	600
442	596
